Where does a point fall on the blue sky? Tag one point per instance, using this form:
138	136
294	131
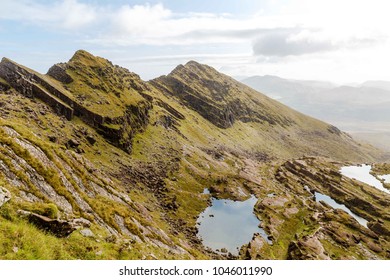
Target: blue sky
342	41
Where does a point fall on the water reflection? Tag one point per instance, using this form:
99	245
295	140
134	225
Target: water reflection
362	173
334	204
385	177
229	224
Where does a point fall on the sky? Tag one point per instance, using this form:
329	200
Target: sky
335	40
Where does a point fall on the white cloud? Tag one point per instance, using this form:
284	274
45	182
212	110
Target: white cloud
157	25
287	43
330	38
304	41
74	14
297	28
65	14
140	20
139	24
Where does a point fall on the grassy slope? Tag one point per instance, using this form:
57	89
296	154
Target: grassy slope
285	133
102	87
15	232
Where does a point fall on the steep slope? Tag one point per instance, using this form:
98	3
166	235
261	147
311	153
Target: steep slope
279	130
98	85
66	173
107	97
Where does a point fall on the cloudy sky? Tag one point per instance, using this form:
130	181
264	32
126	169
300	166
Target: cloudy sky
336	40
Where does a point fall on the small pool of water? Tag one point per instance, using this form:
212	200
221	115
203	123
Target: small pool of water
385	177
330	201
362	173
229	224
206	191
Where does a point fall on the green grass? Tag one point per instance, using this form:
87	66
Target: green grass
33	244
102	87
287	231
4	82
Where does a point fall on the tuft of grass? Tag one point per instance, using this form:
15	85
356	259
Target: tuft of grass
45	209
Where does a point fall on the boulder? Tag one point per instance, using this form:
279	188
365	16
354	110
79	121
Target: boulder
80	223
52	138
374	247
87	232
5	196
72	143
59	228
91	139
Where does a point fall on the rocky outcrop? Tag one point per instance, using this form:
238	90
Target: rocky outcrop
31	84
118	130
379	228
58	72
4	86
307	248
59	228
217	98
253	250
324	177
152	197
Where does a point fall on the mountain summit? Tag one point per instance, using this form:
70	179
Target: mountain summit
119	166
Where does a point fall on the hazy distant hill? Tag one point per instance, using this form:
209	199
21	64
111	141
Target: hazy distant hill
363	109
377	84
290	91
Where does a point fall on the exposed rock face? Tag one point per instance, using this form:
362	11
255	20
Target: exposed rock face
4	85
119	130
5	196
308	175
379	228
81	223
214	96
58	72
253	251
31	84
307	248
329	181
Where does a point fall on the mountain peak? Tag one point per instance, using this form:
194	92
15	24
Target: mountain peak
82	53
193	63
219	98
85	58
193	67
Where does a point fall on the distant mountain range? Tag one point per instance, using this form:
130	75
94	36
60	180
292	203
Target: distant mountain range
378	84
361	109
